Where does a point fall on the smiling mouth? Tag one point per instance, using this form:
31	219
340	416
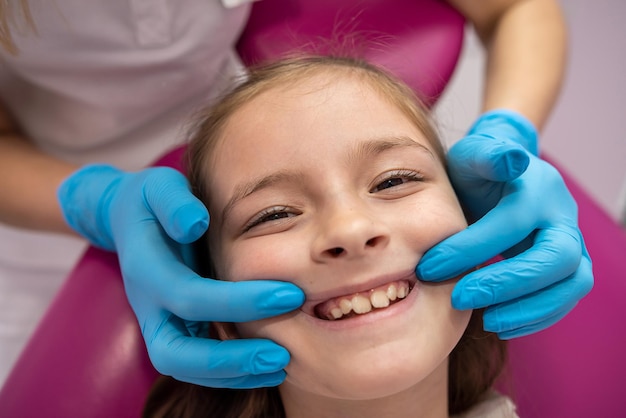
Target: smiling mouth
362	303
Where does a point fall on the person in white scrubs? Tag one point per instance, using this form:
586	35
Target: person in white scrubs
93	92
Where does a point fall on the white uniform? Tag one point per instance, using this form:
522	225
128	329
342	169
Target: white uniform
493	406
102	81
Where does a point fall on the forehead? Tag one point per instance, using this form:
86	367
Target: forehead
304	114
317	127
320	98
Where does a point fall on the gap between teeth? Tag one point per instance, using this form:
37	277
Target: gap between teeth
362	303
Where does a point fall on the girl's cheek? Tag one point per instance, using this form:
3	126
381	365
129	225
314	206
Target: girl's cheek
253	329
278	258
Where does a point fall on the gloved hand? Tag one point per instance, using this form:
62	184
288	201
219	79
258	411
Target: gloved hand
147	217
523	211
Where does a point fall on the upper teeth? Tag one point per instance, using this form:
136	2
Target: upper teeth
361	303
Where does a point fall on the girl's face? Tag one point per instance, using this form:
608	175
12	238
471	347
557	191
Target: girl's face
330	187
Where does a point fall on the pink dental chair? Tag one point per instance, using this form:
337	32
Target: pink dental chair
87	357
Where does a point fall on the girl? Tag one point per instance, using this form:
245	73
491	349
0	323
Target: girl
332	178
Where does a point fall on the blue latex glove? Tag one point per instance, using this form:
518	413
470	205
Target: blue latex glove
147	217
524	212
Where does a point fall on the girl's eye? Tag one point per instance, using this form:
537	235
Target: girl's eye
274	216
270	215
397	178
396	181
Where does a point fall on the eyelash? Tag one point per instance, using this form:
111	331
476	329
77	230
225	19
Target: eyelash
267	213
409	175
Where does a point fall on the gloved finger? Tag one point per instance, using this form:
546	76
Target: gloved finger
242	382
529	329
176	354
479	242
179	212
200	299
555	255
162	280
537	310
479	158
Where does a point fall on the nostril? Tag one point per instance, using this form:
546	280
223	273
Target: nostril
336	251
372	242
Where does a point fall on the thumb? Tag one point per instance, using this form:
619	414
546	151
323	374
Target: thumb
477	158
180	213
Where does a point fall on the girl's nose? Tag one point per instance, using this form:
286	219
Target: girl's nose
349	232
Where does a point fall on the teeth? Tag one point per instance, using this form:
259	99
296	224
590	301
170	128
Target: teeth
362	303
346	306
336	313
379	299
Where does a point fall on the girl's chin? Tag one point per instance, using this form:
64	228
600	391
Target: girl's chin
370	379
363	390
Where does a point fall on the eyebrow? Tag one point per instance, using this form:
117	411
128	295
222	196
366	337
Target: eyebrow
377	146
363	150
246	189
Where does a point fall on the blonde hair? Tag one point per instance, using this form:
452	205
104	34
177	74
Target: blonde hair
475	362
